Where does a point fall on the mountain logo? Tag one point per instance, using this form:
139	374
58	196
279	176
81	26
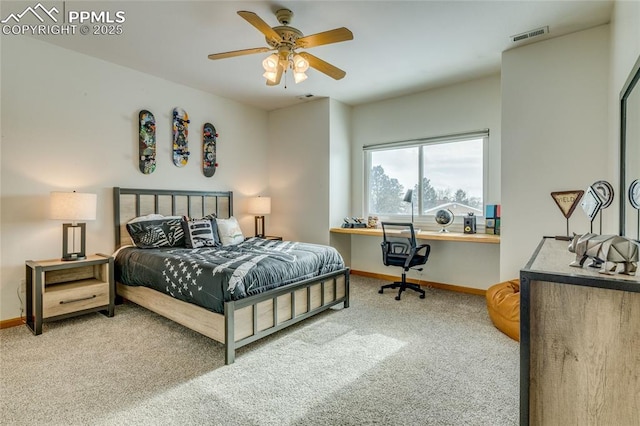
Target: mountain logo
16	17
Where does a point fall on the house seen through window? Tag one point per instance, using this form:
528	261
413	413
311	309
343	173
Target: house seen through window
443	173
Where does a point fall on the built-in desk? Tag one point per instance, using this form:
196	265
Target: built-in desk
426	235
461	262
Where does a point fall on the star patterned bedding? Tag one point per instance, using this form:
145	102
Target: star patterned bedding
209	276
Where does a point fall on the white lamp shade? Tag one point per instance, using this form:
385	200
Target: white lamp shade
73	206
259	205
299	76
270	64
271	76
300	64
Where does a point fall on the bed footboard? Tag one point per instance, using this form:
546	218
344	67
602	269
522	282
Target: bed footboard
252	318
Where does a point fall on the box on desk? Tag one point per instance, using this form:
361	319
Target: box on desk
492	219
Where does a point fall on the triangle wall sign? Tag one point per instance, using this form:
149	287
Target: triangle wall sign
567	201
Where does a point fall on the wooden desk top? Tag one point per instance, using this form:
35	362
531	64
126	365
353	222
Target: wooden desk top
425	235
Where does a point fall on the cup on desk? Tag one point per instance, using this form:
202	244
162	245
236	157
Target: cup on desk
372	222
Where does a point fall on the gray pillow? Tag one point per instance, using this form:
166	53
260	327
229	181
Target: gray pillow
156	231
201	232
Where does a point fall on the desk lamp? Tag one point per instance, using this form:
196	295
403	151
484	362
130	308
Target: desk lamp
408	198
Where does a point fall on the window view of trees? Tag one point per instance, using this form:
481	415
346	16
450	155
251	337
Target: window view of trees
387	194
446	164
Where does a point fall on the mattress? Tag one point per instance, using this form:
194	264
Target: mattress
210	276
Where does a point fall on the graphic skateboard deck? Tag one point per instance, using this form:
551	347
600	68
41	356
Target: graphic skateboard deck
147	142
180	137
209	136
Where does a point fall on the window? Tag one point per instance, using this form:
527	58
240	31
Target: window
446	172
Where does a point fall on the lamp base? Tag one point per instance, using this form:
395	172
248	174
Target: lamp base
260	226
71	258
72	239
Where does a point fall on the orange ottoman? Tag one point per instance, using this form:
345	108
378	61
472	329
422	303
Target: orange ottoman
503	303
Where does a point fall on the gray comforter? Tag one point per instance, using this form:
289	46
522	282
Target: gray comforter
210	276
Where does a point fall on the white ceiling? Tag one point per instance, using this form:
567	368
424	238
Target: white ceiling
399	47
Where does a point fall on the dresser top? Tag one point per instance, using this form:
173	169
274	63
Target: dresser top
551	261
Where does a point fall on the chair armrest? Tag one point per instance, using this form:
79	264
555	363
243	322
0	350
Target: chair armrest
415	251
421	246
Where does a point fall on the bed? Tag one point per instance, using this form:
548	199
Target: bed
234	320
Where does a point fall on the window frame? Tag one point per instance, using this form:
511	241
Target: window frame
427	222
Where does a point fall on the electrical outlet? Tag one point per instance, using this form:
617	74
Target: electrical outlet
23	286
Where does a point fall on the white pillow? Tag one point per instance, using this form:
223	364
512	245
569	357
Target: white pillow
229	231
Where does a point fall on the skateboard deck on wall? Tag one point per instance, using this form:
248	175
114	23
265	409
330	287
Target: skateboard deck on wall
209	136
180	137
147	142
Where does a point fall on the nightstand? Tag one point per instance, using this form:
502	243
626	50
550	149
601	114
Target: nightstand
58	289
272	237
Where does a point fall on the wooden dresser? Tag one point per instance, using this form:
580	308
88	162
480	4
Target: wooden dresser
579	342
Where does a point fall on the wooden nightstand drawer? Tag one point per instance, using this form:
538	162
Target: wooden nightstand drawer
62	299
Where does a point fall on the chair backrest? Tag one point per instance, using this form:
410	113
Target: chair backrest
398	240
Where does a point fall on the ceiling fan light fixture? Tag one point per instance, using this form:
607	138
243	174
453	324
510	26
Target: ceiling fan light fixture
283	41
300	64
299	76
270	64
271	76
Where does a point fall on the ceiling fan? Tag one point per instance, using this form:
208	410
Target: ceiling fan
284	40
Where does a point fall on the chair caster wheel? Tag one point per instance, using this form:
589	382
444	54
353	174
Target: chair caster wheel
397	297
422	296
381	291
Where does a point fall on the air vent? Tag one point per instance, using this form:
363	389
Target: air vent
530	34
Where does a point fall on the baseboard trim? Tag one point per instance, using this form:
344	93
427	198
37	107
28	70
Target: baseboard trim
450	287
13	322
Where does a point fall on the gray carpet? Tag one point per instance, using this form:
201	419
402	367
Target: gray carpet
433	361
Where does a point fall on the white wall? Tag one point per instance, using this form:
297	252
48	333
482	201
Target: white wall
469	106
299	171
339	163
70	122
309	169
555	137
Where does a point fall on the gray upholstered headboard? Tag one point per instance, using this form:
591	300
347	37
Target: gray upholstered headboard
129	203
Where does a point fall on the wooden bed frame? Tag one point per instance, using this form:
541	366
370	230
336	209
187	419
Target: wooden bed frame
245	320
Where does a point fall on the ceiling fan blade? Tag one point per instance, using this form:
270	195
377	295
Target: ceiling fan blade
238	53
278	76
322	66
262	26
327	37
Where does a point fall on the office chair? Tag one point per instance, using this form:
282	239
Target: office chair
399	248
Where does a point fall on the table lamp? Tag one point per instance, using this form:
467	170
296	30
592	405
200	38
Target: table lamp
408	198
73	206
260	206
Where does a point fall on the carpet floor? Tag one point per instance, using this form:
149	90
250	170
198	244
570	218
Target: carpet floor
433	361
